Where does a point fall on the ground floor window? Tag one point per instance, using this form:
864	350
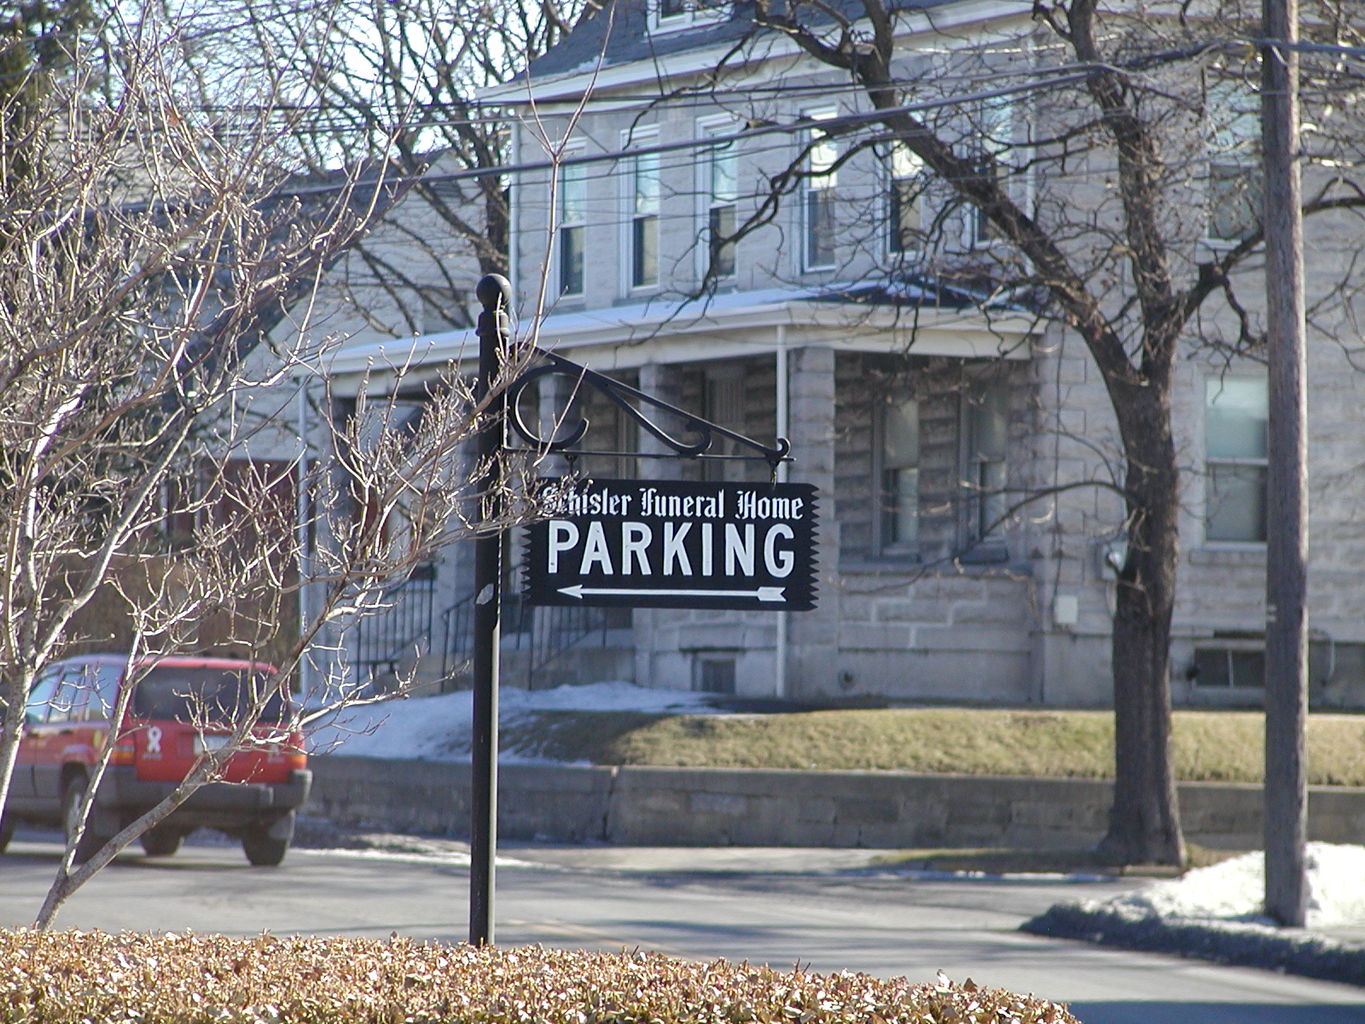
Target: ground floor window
1235	438
898	452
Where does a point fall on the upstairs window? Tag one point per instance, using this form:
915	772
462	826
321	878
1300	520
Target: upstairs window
905	182
573	219
642	200
1236	421
719	169
819	195
993	128
1233	139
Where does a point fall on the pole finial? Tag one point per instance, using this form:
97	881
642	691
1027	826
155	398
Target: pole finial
494	291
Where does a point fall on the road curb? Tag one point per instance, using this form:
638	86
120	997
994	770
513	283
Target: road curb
1242	945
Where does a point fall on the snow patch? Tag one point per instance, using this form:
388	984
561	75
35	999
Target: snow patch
1234	890
438	728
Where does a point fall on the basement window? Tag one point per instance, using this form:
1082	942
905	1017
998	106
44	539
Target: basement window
1228	667
714	674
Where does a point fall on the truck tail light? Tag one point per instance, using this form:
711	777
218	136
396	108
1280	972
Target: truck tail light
124	752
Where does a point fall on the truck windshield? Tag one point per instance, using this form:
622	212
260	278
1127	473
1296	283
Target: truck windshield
209	695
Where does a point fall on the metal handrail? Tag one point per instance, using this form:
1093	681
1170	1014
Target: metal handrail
385	640
546	634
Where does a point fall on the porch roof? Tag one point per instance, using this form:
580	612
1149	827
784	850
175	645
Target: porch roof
920	315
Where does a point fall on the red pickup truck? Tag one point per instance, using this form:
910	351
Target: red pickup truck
181	707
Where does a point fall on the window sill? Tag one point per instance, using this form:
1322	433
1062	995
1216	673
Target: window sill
1229	553
985	553
891	566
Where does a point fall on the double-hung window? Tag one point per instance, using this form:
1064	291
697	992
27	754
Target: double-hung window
994	129
818	199
719	169
572	189
898	452
1236	419
984	471
905	183
642	202
1235	185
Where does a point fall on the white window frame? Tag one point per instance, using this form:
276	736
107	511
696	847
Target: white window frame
993	127
1232	142
901	164
1214	385
708	201
688	14
630	215
821	153
564	223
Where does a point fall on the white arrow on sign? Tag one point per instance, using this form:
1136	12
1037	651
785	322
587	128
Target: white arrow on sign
768	594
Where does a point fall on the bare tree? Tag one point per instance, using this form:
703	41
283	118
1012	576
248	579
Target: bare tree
397	80
1054	163
150	244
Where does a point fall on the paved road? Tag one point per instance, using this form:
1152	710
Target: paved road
760	906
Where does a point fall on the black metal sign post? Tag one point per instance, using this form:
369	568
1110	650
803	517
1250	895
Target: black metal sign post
715	545
495	295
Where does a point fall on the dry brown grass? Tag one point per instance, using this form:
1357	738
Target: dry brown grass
81	977
1209	746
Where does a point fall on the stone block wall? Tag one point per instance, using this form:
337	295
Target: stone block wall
656	806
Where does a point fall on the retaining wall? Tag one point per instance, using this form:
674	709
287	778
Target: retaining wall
721	807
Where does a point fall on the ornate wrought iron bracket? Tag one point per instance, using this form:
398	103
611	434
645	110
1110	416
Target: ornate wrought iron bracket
701	433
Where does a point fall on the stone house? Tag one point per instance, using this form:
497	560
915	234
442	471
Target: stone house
947	424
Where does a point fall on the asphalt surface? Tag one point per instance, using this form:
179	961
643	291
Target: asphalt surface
824	910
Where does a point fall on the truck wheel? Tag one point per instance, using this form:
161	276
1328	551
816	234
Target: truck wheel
91	841
160	841
266	845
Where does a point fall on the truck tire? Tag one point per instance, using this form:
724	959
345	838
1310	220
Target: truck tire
266	845
160	841
91	840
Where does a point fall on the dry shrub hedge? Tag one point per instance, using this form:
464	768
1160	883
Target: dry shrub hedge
97	978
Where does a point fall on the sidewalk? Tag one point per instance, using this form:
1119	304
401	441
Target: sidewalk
1334	953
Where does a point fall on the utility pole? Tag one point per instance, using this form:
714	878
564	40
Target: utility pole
495	295
1286	634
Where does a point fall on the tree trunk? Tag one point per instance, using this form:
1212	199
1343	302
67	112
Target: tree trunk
1144	822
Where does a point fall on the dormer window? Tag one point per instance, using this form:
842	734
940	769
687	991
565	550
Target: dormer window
670	15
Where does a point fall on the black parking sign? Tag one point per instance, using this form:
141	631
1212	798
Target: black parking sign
669	544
